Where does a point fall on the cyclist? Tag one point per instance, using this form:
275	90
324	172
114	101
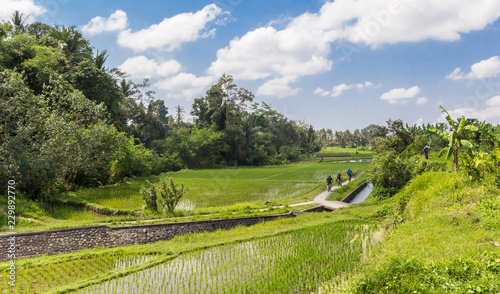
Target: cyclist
349	174
329	181
339	179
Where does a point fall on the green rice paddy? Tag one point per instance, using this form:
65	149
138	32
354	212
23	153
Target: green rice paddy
297	262
228	186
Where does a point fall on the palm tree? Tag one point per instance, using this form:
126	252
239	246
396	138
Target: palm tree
18	21
454	137
100	59
72	43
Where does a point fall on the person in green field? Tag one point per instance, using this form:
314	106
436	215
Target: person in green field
339	179
349	174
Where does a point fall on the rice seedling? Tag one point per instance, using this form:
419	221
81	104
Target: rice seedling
41	278
297	262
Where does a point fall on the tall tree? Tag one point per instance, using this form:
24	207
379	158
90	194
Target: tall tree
179	110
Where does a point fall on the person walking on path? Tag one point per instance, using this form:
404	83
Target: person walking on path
426	152
339	179
349	174
329	181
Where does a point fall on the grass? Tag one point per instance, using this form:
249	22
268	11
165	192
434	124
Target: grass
100	271
306	259
443	240
221	187
222	192
344	152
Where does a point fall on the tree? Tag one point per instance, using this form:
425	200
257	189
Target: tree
18	22
100	59
179	110
455	137
72	43
224	104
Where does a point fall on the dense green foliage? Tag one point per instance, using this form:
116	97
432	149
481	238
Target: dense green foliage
67	121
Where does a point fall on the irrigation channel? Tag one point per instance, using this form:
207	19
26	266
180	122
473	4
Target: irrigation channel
302	261
363	194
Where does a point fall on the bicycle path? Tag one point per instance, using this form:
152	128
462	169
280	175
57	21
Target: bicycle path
321	198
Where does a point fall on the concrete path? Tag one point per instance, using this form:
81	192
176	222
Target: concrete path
321	198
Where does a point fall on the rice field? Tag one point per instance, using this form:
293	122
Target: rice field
41	278
228	186
297	262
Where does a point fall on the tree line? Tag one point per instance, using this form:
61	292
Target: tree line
68	121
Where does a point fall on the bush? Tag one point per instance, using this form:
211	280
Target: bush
389	173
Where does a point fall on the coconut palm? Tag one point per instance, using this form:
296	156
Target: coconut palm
72	43
18	22
100	59
454	136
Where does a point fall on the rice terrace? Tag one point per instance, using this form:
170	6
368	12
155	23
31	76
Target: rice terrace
339	146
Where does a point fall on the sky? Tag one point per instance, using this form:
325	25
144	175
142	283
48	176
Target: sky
340	64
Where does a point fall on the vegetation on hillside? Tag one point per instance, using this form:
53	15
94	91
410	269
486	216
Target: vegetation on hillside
67	121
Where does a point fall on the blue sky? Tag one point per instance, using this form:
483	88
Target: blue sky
334	64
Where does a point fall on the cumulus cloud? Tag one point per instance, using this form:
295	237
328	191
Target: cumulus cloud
487	68
303	44
278	87
321	92
398	96
117	21
27	7
172	32
494	101
185	85
339	89
422	100
490	114
142	67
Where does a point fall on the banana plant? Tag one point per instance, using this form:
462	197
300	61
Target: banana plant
454	137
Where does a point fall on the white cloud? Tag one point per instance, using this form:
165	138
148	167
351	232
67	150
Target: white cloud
303	45
321	92
487	68
185	85
172	32
27	7
494	101
278	87
491	114
398	96
339	89
419	122
142	67
422	100
366	84
117	21
379	22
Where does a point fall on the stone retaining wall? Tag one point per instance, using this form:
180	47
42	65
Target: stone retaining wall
58	241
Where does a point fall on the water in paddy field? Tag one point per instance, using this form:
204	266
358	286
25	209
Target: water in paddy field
352	160
297	262
363	194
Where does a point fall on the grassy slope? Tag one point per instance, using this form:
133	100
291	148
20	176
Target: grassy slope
443	240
